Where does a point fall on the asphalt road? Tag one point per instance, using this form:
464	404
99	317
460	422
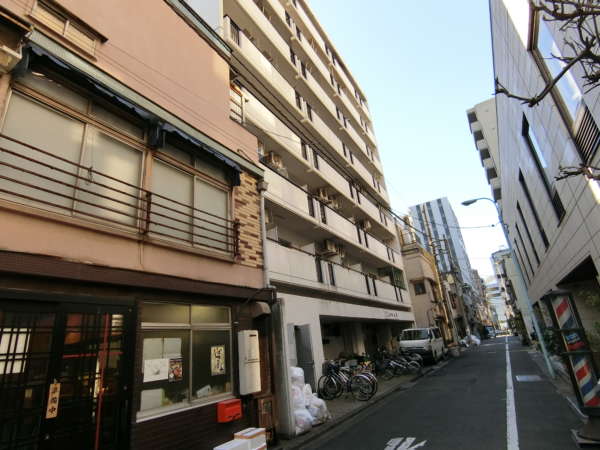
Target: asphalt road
464	406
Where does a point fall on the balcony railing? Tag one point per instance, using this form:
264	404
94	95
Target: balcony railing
38	178
296	266
295	199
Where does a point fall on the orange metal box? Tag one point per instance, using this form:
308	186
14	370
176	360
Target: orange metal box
229	410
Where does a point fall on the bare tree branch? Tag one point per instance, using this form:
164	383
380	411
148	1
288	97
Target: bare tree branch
579	20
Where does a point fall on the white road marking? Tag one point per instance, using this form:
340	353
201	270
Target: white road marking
512	433
394	444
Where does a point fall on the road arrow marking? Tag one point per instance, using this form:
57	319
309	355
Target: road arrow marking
397	444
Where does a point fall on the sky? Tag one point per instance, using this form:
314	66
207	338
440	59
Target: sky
421	65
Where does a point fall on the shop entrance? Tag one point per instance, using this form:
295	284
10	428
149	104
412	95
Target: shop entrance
64	371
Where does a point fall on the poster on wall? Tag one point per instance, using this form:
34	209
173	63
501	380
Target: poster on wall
175	369
156	369
217	360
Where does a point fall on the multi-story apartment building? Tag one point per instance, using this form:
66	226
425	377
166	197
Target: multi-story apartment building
429	302
437	218
131	248
507	275
331	247
496	298
483	125
553	224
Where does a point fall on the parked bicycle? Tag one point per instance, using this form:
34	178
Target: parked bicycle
338	379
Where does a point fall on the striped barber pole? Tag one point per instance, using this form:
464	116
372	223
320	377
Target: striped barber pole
587	381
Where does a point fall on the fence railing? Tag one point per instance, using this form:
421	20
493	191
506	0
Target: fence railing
35	177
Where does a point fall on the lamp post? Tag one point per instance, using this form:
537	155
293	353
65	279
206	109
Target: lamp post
520	280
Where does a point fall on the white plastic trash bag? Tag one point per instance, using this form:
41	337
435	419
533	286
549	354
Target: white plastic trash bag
307	394
297	376
303	420
298	400
318	409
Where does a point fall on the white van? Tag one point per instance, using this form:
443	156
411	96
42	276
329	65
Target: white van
424	341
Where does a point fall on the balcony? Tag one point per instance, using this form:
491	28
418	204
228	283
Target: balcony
39	179
293	266
317	222
261	66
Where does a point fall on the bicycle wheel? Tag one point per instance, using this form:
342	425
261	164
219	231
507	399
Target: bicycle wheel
328	387
361	387
373	379
399	369
387	373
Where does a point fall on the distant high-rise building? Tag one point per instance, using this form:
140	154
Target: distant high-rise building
437	218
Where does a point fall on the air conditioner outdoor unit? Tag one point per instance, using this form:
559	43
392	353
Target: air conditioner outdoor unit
336	203
329	248
366	224
273	159
323	196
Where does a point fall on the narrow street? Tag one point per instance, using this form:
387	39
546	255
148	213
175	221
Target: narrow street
464	406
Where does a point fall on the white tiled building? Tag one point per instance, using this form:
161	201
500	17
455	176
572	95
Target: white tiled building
331	246
553	225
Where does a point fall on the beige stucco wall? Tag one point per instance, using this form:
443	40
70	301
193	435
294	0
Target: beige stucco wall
153	51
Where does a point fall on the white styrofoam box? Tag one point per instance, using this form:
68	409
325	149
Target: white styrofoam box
249	361
236	444
256	437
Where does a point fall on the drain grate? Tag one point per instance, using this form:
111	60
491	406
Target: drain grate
528	378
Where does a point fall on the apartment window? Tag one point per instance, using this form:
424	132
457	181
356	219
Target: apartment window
187	356
316	159
344	150
345	121
374	286
288	19
235	32
292	57
359	233
587	136
303	69
339	87
520	257
569	95
323	210
533	210
298	100
295	2
497	194
524	249
520	211
337	113
484	154
491	173
419	287
331	274
541	166
332	79
236	110
61	23
309	112
472	117
351	157
311	205
358	196
319	269
298	33
304	150
478	135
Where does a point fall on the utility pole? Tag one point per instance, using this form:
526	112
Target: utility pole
442	296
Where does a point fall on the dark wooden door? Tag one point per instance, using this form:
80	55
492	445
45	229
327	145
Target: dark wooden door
64	373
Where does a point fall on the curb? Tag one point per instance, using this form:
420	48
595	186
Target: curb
316	433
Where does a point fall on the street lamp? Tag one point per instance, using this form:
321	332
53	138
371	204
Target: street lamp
520	280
